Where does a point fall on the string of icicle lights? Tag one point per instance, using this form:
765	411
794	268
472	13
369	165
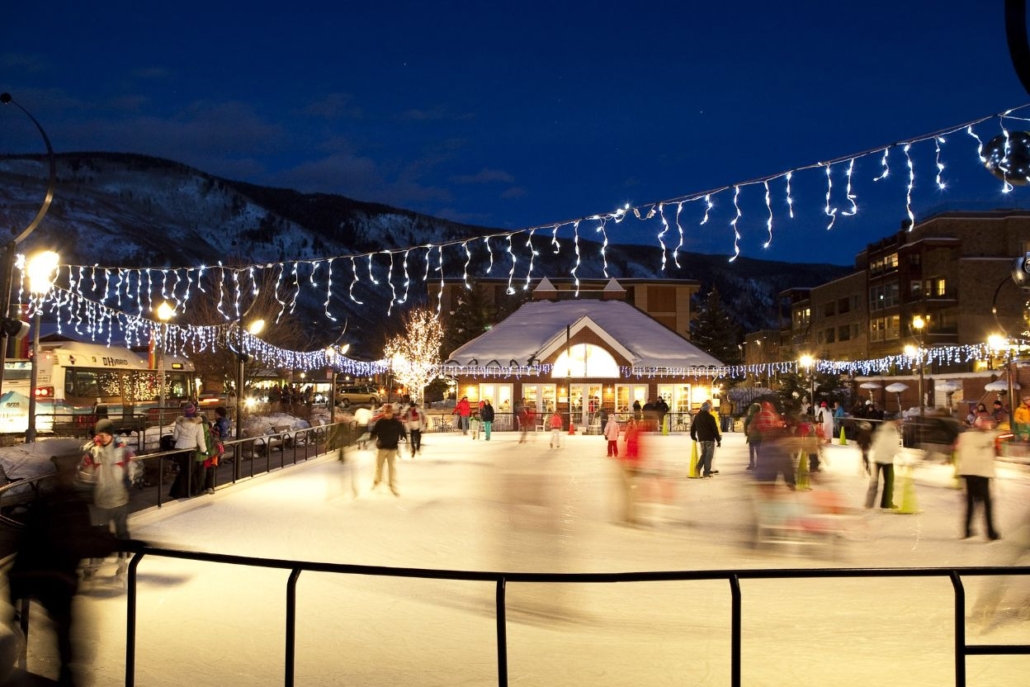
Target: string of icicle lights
99	323
515	252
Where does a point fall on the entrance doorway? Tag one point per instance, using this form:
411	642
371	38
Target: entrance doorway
584	403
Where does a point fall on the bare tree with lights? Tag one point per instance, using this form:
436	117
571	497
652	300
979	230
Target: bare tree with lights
415	354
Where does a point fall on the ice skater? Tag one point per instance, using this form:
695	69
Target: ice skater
556	426
975	451
611	433
387	431
705	430
886	445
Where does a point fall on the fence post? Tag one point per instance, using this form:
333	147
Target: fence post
960	629
291	625
735	632
130	623
502	636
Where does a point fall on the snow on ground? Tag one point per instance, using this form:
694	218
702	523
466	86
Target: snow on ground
504	506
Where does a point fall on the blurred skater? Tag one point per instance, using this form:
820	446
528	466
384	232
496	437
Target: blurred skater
630	464
387	431
415	420
611	433
486	415
705	430
886	445
753	436
111	466
556	426
56	537
188	434
975	451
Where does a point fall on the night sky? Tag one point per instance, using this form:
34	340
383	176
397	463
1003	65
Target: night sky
516	115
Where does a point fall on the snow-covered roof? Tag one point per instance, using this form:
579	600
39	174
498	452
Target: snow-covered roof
534	328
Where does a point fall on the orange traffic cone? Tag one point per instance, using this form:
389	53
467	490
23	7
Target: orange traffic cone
572	428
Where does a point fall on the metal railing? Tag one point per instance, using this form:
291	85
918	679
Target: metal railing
500	580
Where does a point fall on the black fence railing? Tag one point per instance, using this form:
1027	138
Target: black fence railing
500	579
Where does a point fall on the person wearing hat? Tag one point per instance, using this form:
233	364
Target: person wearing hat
188	434
110	463
705	430
1021	420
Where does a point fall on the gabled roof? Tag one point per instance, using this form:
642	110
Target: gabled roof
538	328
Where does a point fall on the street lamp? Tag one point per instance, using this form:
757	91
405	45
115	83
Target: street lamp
806	361
331	352
41	268
164	313
919	324
254	328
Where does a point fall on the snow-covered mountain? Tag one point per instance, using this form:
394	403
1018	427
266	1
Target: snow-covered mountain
138	211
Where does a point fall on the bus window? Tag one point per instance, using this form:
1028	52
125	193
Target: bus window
81	383
177	386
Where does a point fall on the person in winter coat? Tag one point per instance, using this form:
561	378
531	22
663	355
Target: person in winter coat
56	536
975	451
486	416
1021	420
188	434
631	466
864	439
886	445
222	427
109	463
556	426
825	419
387	432
754	436
415	421
611	433
463	410
705	430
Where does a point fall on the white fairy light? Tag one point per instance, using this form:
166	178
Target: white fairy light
708	207
679	227
733	223
790	198
1006	186
276	289
329	290
468	259
221	290
511	272
439	296
661	238
236	291
486	241
354	280
911	184
768	207
575	229
532	256
979	144
937	141
296	286
885	164
604	245
830	212
847	191
389	280
554	240
371	277
429	251
407	279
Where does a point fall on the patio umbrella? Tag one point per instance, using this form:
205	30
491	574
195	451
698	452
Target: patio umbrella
949	387
871	386
1000	385
896	388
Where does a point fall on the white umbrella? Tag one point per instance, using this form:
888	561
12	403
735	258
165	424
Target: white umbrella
871	386
1000	385
896	388
948	386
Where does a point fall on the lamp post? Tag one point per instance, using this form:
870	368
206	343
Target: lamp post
806	361
331	353
41	268
254	328
164	313
998	343
919	324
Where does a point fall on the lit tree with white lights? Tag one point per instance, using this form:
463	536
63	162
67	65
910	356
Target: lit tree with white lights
415	354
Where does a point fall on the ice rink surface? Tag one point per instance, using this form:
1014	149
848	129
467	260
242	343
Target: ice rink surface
502	505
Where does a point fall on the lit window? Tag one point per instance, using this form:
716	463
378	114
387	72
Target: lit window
585	360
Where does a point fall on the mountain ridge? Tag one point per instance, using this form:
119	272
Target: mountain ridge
130	210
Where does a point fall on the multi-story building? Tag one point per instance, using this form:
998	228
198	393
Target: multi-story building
952	272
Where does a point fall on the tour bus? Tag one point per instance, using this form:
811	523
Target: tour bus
76	377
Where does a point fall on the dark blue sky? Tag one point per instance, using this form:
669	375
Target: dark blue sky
526	114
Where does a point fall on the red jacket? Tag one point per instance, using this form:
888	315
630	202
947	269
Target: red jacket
463	408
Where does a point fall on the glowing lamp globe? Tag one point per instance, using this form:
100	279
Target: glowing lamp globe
1008	157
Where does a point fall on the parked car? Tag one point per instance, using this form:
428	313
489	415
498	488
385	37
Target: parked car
357	395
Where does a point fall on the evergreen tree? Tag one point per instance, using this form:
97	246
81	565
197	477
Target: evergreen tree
469	319
714	331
